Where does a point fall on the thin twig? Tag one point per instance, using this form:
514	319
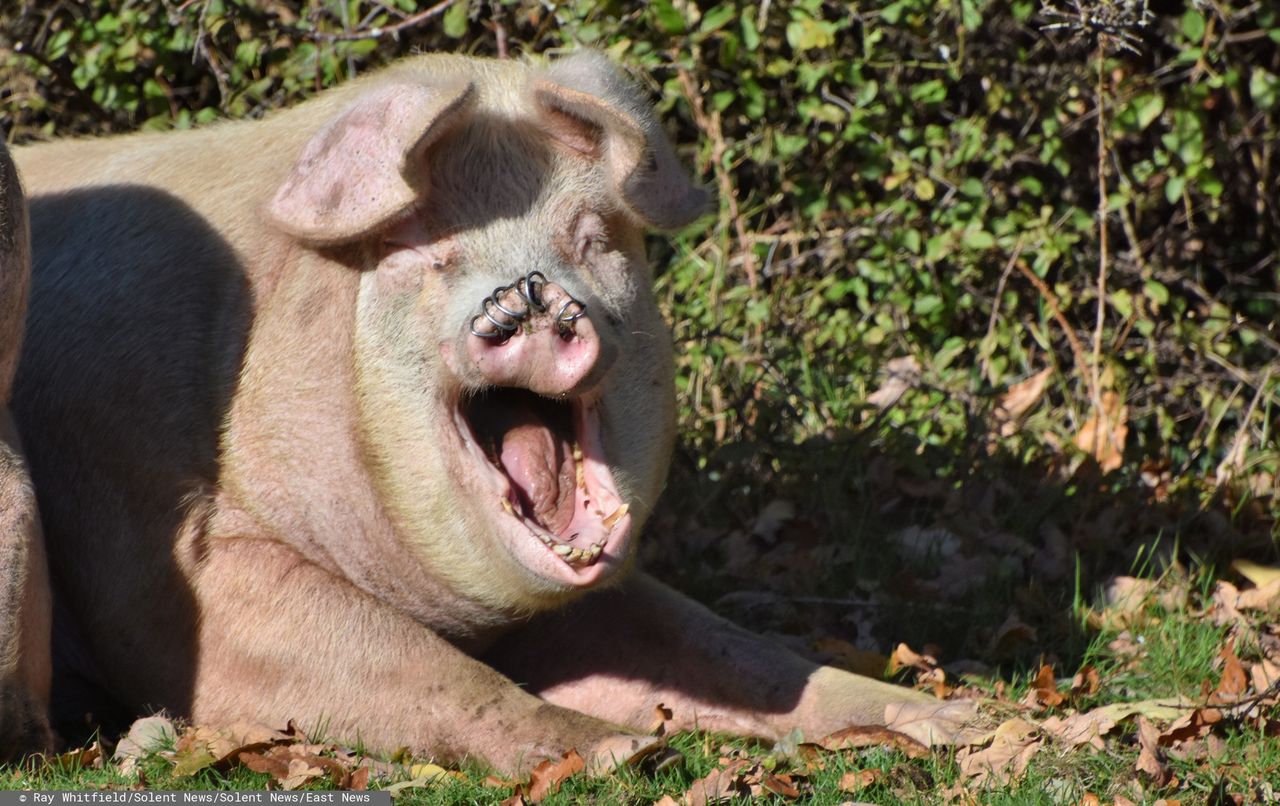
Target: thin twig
1055	310
995	306
1096	367
389	30
710	123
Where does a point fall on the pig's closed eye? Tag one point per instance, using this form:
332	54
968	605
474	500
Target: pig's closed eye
590	237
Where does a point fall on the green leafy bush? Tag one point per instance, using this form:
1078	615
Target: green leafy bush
897	178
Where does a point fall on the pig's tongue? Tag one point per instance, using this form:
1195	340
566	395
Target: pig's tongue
541	468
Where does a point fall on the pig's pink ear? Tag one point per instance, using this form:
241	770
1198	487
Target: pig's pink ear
367	164
590	107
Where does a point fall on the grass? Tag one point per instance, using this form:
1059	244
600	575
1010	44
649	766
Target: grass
1146	649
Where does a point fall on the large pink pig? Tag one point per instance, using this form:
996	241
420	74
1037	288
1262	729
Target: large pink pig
353	415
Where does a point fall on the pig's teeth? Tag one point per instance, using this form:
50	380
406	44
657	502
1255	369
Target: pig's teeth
616	516
545	539
594	551
506	504
562	549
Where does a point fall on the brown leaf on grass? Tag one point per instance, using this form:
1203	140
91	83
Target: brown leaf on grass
546	777
515	800
900	374
300	773
781	785
88	757
201	747
1260	575
935	723
1264	674
1086	683
1263	596
904	657
859	736
1080	729
718	785
856	780
1234	682
1044	689
1103	435
1150	758
666	800
294	765
1012	746
1019	400
1190	726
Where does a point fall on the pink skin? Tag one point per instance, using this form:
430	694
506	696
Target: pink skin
541	356
586	528
588	539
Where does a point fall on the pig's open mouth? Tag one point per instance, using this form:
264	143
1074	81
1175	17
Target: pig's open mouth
545	463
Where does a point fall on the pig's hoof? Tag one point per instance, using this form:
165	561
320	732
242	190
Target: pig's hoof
23	728
622	750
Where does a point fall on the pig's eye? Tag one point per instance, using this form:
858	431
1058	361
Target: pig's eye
590	238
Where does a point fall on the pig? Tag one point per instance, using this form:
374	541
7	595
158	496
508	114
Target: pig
353	415
25	662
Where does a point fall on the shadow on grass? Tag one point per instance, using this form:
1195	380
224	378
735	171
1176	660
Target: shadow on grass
872	537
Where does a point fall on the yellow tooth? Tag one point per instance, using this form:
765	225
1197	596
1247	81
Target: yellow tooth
561	549
616	516
506	504
595	550
574	556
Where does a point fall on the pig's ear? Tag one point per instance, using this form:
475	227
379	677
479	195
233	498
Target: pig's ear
367	164
590	107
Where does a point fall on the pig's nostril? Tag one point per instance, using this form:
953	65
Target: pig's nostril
570	312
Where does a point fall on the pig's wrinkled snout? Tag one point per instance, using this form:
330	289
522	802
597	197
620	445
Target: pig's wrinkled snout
533	334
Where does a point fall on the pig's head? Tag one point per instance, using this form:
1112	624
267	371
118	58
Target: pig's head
514	376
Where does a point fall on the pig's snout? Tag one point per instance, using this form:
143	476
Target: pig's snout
535	335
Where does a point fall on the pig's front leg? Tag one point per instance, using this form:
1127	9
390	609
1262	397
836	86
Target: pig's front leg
619	653
24	609
281	639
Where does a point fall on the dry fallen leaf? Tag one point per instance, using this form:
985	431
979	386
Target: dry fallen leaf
1080	729
1103	435
1193	725
547	776
1012	747
1020	398
1086	682
1234	682
900	374
1044	689
718	785
1260	575
860	736
86	757
856	780
1149	754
